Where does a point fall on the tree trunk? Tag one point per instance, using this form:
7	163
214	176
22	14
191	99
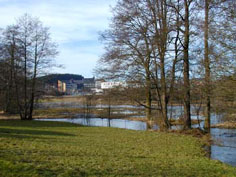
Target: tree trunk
164	110
25	82
10	106
207	71
30	117
187	114
148	101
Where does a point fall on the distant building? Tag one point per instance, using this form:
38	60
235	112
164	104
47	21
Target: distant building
61	86
110	85
71	87
86	86
98	86
89	83
74	87
98	83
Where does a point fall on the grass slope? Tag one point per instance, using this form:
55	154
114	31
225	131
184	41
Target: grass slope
63	149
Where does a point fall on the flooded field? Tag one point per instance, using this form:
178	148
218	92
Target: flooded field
224	140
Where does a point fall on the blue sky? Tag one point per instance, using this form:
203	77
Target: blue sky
74	26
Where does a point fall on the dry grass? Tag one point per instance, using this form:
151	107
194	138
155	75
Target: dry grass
227	125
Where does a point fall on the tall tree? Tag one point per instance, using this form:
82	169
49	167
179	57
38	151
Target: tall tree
28	52
9	60
187	111
143	42
219	46
207	69
159	11
165	51
128	53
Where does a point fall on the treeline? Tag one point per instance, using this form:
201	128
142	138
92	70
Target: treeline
53	78
171	47
26	52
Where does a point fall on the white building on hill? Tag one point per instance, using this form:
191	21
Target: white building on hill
110	85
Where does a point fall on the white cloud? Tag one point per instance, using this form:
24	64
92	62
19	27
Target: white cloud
74	25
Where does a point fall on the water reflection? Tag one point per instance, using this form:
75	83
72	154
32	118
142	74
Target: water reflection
79	105
99	122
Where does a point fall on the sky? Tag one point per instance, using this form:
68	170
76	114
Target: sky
74	25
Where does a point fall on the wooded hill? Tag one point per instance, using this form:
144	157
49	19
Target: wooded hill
53	78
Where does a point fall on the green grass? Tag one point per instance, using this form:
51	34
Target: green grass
63	149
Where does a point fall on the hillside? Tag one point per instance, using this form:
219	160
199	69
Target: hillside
53	78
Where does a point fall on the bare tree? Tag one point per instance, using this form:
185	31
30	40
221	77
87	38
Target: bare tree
29	49
9	60
217	35
143	44
207	68
149	39
166	51
128	48
187	111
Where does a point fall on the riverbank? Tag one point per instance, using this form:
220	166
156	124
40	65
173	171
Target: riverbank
68	113
58	113
226	125
84	99
33	148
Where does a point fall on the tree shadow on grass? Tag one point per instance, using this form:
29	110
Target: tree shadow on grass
26	133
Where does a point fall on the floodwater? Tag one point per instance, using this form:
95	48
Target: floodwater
223	148
99	122
79	105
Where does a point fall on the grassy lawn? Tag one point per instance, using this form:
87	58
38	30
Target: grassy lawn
63	149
